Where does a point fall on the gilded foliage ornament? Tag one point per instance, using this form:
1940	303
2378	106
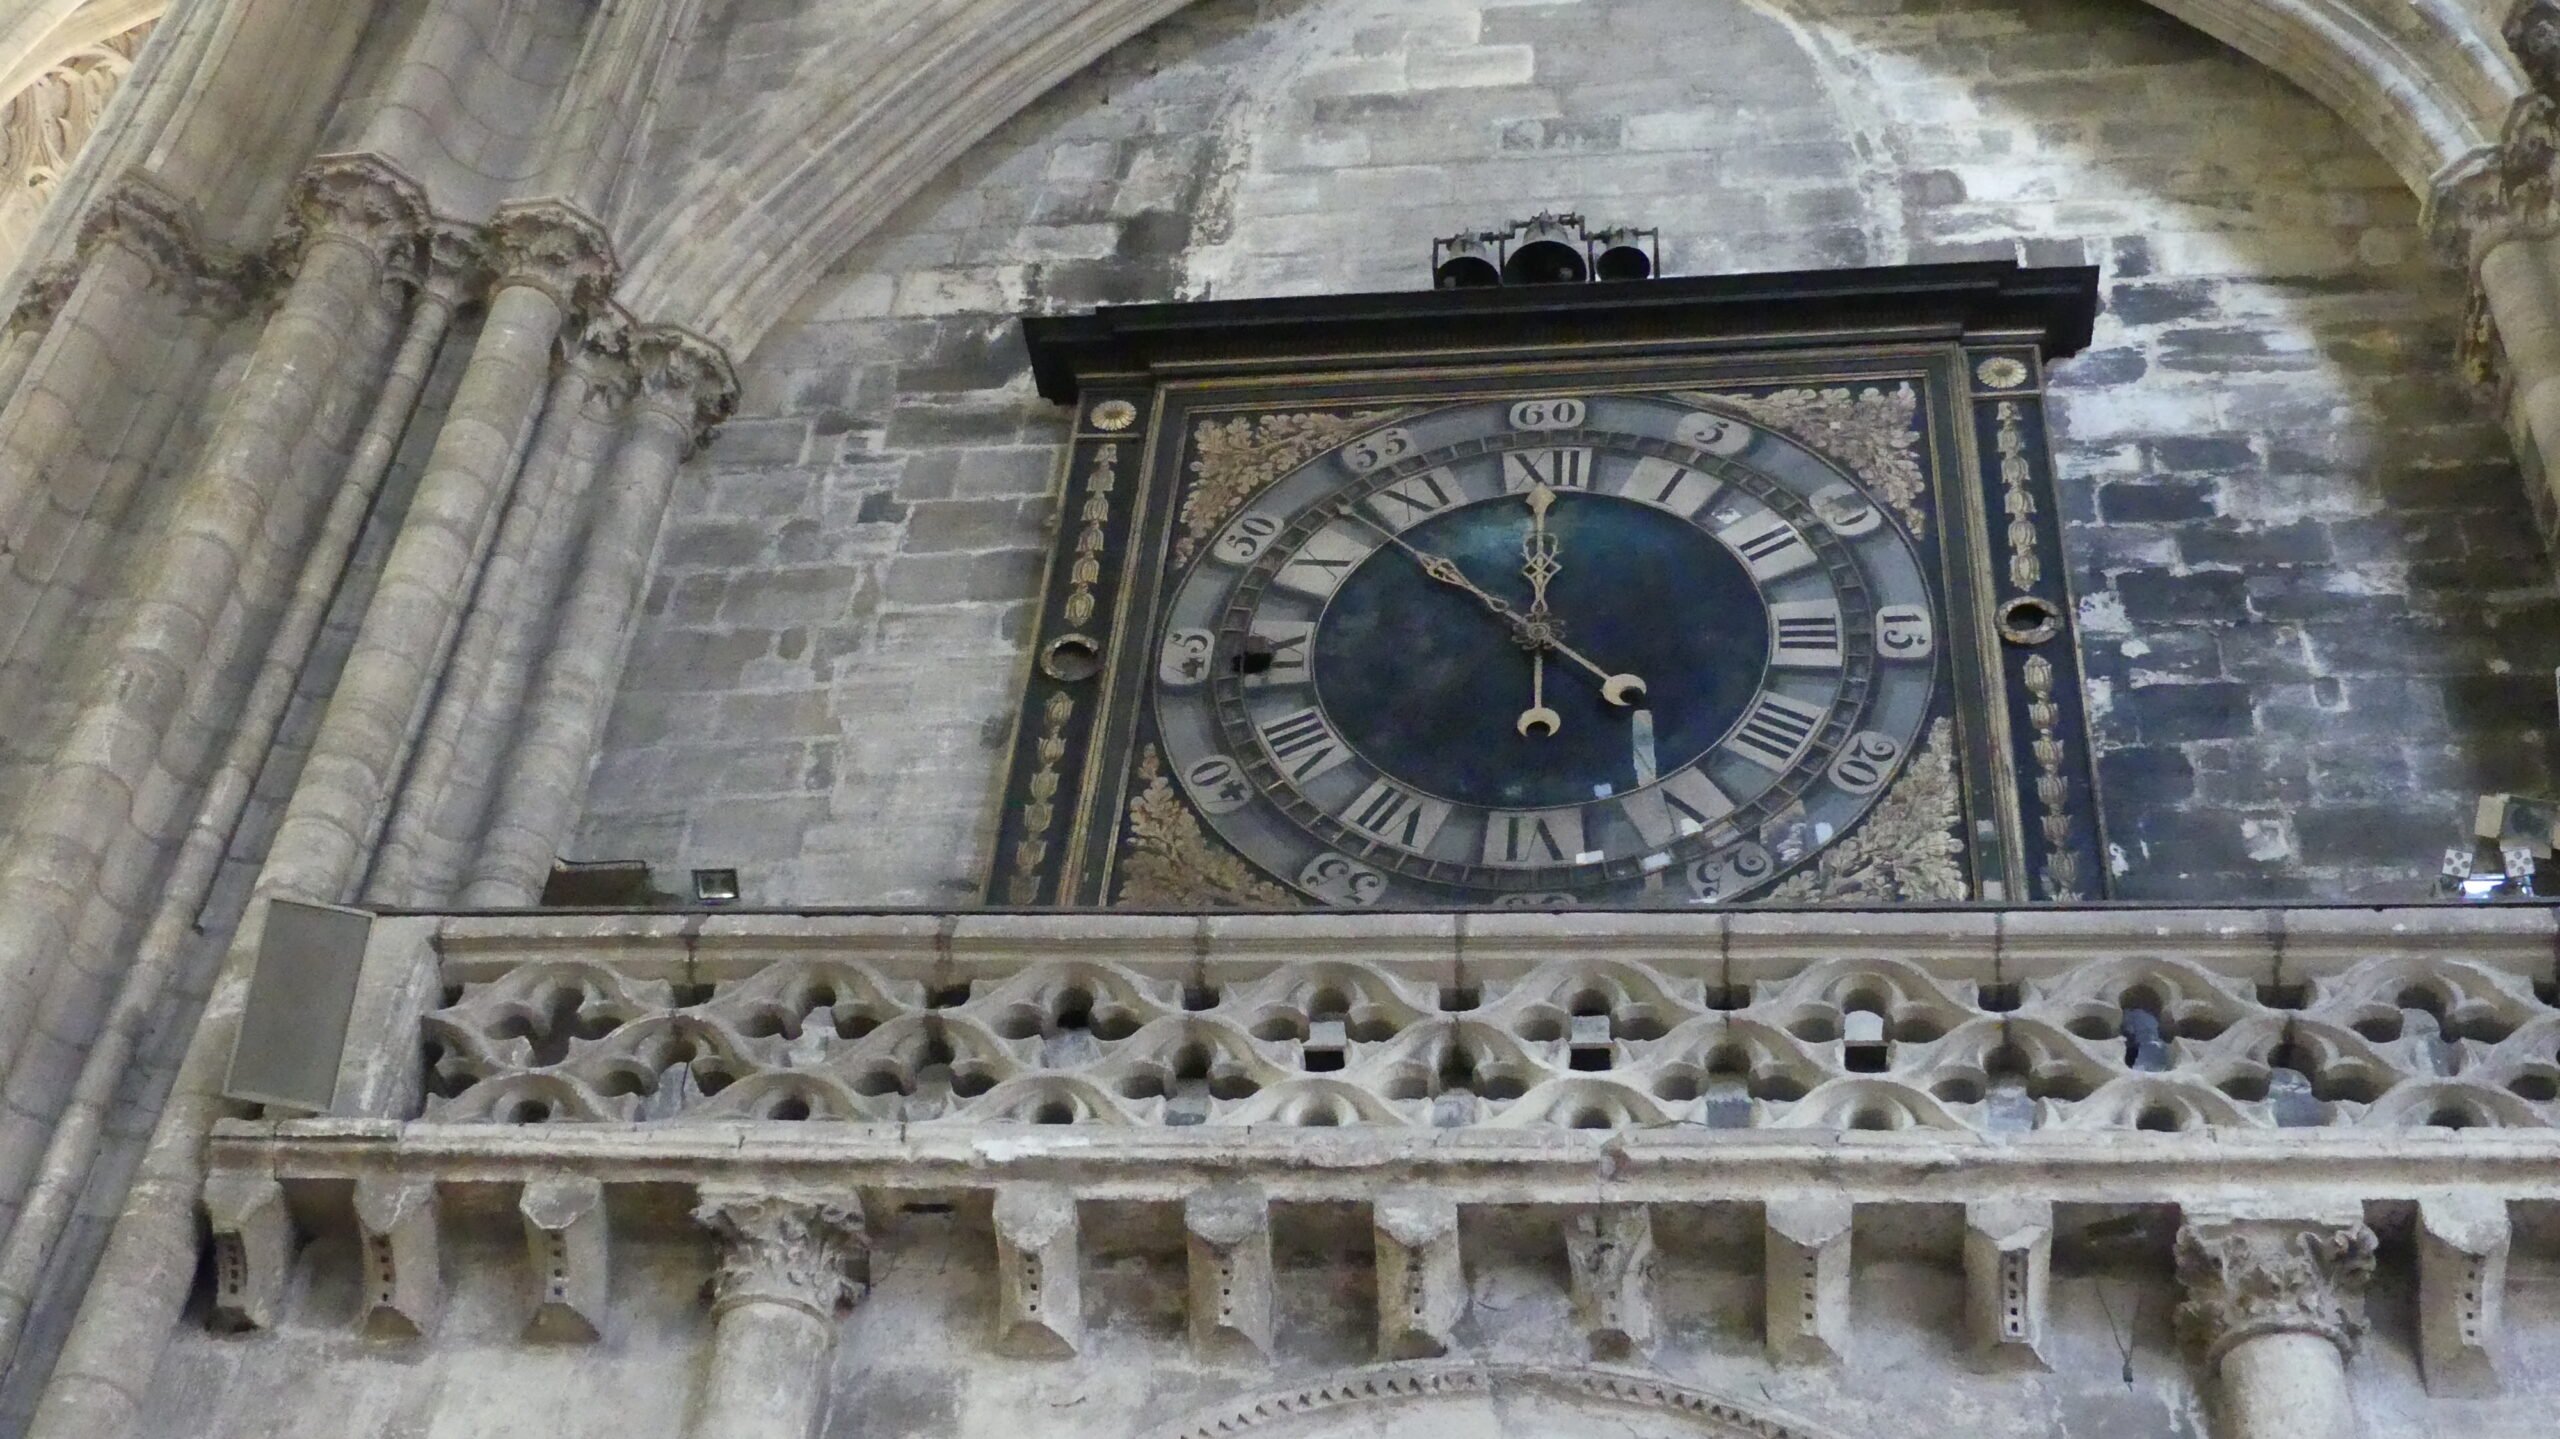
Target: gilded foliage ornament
1873	432
1238	457
1907	849
1170	863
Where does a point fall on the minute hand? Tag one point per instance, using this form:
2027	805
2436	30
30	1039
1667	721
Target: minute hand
1617	689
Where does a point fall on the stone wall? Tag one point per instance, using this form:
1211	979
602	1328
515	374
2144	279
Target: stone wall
2316	620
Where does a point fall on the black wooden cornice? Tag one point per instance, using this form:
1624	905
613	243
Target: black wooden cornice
2052	305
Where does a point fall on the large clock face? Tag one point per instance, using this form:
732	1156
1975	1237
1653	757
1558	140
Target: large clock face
1572	648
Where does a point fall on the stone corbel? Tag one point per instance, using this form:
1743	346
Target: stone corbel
1806	1274
253	1243
567	1244
2008	1267
1609	1251
2462	1280
1229	1232
1422	1285
403	1265
1039	1289
798	1251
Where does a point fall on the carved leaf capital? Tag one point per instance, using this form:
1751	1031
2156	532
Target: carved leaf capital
146	219
794	1249
360	200
685	377
456	264
2247	1276
554	247
2532	31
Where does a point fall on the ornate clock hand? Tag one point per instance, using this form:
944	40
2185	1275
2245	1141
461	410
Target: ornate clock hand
1538	550
1446	571
1537	718
1534	635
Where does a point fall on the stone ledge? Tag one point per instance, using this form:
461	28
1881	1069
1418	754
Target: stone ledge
1470	1166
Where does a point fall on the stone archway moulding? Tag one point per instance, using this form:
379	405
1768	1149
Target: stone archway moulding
1409	1392
2419	80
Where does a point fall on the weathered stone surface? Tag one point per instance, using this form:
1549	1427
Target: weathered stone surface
2262	456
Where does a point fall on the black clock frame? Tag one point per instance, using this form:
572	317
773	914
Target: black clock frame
1972	339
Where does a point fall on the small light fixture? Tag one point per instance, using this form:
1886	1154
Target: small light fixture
715	886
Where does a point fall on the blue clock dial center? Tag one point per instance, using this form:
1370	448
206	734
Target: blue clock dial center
1428	685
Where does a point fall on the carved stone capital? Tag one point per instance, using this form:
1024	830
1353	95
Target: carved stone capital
363	201
47	290
2247	1275
601	356
455	265
2532	31
800	1250
686	378
555	247
149	221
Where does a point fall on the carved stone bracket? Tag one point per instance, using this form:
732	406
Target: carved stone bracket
557	248
2008	1267
2462	1281
566	1243
1230	1259
1609	1252
1422	1285
2247	1275
403	1266
1039	1293
253	1242
807	1252
1806	1271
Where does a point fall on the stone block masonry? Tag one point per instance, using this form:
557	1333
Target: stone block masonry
2317	620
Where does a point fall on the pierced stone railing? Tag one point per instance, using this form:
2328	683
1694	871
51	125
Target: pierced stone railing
2269	1088
1997	1023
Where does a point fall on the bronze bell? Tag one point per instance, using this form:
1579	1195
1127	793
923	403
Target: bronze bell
1547	250
1625	254
1466	262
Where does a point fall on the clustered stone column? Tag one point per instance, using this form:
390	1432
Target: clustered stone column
449	272
356	214
549	263
2276	1304
685	387
790	1268
2506	220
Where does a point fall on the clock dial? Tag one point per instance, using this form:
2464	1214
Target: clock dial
1602	648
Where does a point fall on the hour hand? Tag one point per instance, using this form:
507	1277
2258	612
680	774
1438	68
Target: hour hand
1537	719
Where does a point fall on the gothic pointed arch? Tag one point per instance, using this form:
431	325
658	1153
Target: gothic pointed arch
2423	83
